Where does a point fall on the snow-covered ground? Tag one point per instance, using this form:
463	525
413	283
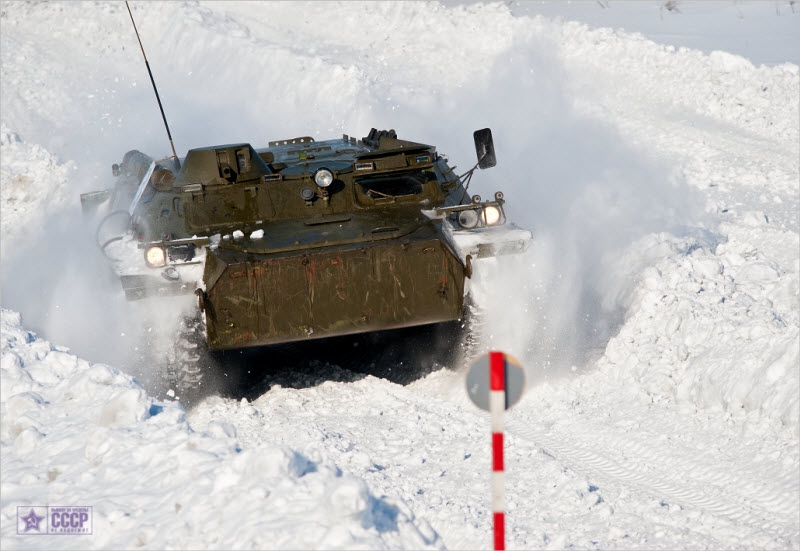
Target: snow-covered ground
657	311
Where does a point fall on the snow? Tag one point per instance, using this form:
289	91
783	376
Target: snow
101	430
694	24
654	155
34	184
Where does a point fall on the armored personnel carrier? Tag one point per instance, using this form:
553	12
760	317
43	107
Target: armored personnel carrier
303	239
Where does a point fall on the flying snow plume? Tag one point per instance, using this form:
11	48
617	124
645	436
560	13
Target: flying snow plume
586	195
55	273
66	288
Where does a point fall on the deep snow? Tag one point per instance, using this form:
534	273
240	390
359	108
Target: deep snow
656	312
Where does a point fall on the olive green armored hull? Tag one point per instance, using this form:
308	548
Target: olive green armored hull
258	299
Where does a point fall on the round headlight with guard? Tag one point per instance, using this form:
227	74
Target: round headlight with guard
491	215
323	177
468	219
155	257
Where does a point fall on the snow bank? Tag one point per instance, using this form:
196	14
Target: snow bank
76	432
712	329
711	314
33	185
718	86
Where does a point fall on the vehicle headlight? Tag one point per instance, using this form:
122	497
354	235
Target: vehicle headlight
323	177
468	219
491	215
155	257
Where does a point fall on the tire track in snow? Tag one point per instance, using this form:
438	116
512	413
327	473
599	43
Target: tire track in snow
766	509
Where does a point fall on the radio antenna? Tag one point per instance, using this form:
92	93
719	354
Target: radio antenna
153	82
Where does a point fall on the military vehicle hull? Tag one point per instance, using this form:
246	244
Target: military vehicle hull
257	299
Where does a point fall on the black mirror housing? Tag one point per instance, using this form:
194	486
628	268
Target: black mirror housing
484	147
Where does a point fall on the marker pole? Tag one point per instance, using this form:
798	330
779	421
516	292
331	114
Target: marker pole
497	406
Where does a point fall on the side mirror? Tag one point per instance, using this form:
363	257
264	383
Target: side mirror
484	147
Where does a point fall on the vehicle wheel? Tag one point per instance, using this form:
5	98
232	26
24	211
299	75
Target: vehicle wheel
190	366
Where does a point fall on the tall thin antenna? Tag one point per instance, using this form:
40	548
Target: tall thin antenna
153	82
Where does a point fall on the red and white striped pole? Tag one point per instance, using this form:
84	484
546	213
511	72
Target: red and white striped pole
495	382
497	407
